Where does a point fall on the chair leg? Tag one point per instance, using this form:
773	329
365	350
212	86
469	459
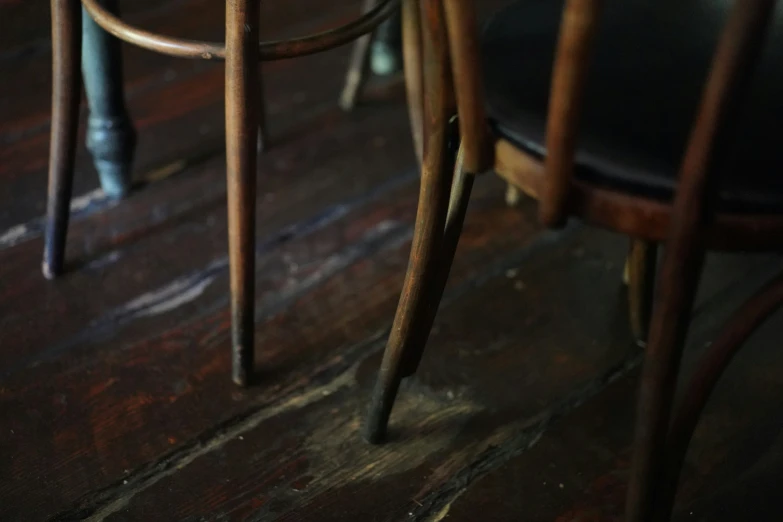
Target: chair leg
358	67
461	188
642	260
413	66
676	288
111	138
242	95
66	93
420	285
438	226
513	195
385	49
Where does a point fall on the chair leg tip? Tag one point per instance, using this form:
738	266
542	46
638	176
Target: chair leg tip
374	434
626	273
50	271
347	103
240	378
116	178
385	59
377	421
242	345
351	90
241	372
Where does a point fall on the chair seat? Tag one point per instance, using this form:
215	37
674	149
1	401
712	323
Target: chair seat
648	68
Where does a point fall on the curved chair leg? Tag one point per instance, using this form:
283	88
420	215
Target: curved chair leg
642	259
412	63
677	282
66	93
455	217
357	70
733	336
242	95
420	294
111	138
410	329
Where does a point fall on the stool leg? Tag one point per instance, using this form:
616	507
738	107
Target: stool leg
242	95
385	48
642	260
66	93
357	69
111	138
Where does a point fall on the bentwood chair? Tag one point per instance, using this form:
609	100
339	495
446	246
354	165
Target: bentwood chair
242	52
650	119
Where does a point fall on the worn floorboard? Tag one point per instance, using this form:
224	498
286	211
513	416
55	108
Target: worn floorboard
115	393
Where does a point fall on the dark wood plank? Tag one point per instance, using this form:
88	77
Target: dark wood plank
303	459
114	381
299	192
455	422
109	298
579	469
274	278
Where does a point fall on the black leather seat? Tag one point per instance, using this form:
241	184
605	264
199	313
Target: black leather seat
648	67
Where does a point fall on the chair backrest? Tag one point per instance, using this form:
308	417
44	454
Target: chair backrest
725	88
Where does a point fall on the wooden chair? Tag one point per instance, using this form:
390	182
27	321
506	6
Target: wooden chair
658	138
242	52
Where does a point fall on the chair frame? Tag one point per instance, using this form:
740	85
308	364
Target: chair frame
242	52
688	226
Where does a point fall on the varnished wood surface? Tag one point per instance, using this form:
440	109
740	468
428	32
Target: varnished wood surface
115	387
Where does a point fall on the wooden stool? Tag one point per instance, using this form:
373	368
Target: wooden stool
242	52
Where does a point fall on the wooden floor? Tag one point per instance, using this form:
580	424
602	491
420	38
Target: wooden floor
115	387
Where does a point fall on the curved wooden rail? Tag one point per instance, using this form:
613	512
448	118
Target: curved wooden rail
713	364
276	50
